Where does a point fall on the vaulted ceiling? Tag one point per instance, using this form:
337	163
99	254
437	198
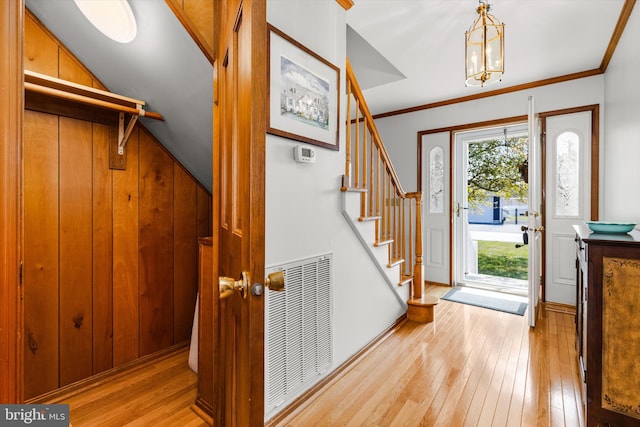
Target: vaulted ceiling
406	53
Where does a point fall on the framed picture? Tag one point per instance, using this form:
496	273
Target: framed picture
303	101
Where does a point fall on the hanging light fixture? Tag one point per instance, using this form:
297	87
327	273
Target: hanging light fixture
484	49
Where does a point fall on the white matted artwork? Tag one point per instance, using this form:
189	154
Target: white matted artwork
303	93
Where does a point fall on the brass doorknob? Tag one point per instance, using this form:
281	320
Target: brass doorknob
228	285
539	228
275	281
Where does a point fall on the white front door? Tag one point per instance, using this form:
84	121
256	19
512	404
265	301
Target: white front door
436	181
568	177
488	209
534	213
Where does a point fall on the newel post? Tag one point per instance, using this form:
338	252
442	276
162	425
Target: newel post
418	268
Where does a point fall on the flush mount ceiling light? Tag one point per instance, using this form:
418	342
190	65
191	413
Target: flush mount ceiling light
484	49
114	18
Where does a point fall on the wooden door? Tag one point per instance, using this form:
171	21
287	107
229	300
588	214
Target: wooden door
11	101
238	214
534	215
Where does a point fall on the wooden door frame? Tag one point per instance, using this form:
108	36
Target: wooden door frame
253	13
11	122
595	165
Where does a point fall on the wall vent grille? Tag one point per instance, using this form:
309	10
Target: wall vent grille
298	329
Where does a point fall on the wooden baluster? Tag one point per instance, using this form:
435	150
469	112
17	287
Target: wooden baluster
346	182
388	202
378	204
371	184
418	269
357	143
365	196
364	153
403	237
394	226
398	205
409	262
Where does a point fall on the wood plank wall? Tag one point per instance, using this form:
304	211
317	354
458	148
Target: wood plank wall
110	256
197	18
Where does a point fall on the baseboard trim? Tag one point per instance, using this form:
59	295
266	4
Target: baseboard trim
203	410
560	308
314	392
64	393
428	282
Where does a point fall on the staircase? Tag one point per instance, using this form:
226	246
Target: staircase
387	220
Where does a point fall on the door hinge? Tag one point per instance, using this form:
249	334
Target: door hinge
20	274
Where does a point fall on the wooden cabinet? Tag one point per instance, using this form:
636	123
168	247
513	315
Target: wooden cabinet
581	312
608	325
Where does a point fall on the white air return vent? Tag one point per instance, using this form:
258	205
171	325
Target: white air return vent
298	335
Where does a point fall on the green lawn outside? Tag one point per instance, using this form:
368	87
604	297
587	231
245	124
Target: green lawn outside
502	259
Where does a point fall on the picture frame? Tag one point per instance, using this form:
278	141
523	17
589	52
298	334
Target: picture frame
303	101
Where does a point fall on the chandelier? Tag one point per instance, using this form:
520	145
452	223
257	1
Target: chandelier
484	49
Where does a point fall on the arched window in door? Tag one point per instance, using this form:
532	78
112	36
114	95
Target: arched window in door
567	167
436	180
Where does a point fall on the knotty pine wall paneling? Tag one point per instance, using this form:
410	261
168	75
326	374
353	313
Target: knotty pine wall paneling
126	340
72	71
110	256
200	12
40	272
76	232
156	246
203	213
44	54
196	17
185	254
40	49
102	250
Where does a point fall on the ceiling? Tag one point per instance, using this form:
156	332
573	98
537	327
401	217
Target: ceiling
406	53
424	41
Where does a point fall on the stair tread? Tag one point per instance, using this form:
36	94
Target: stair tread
354	190
425	300
404	280
368	218
383	242
394	262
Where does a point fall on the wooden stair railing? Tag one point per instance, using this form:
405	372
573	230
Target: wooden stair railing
397	213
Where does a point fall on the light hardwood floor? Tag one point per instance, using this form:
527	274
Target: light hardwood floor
157	393
472	367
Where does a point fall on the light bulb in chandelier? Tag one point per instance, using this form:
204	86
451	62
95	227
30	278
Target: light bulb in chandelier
484	48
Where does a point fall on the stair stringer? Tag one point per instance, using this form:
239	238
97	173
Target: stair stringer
365	231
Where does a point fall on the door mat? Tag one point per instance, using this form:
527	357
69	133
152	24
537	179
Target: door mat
480	298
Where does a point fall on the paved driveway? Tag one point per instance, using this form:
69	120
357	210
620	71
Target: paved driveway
496	233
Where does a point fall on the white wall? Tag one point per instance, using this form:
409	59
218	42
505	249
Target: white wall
621	199
399	133
304	201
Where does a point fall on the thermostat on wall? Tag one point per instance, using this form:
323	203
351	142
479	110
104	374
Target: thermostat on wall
304	154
